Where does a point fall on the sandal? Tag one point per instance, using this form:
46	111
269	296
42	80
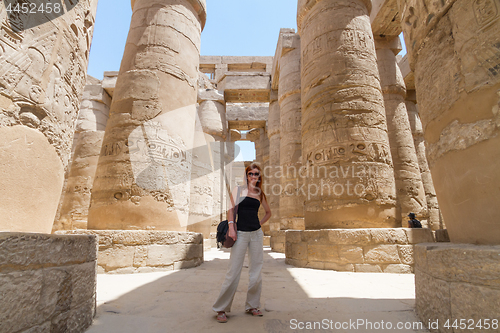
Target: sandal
221	317
255	312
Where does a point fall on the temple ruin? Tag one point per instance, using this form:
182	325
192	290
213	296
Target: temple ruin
129	174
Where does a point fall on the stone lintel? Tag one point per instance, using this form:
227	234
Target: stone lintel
288	40
109	82
246	81
234	60
408	75
95	92
246	87
385	18
210	60
210	95
247	112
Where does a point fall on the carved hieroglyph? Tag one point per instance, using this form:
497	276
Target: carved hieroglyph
454	50
410	194
90	126
207	172
143	176
435	220
345	148
42	76
291	199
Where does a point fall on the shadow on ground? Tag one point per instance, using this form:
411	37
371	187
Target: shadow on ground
293	299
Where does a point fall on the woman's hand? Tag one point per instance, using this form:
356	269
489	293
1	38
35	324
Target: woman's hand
232	233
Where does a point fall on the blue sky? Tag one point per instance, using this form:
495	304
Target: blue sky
233	28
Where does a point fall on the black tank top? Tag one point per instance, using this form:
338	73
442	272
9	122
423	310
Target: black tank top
248	214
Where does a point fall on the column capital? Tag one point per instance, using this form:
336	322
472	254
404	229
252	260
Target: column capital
392	43
200	7
304	6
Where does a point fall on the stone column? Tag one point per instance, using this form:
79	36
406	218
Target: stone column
143	177
271	182
264	145
453	48
350	178
291	199
435	219
410	194
43	69
207	177
90	126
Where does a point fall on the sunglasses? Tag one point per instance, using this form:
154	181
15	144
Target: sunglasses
254	174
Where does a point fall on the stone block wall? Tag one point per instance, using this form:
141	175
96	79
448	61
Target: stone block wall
458	281
278	240
47	282
140	251
388	250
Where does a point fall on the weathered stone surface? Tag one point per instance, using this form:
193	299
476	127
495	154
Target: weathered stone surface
385	18
327	253
463	263
143	176
116	257
293	236
398	269
367	268
410	192
339	267
246	116
47	282
272	182
441	236
456	281
164	255
297	251
416	236
406	254
32	180
89	132
388	236
350	236
474	302
454	45
22	251
133	251
351	254
435	220
432	299
386	250
291	199
344	127
43	75
381	254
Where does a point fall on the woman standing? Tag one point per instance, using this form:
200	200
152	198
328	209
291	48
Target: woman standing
248	234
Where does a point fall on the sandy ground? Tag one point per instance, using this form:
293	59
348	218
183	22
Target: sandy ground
293	300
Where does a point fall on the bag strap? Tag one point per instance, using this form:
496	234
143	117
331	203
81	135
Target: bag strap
235	206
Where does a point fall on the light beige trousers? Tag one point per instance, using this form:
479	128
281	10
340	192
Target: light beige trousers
253	240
